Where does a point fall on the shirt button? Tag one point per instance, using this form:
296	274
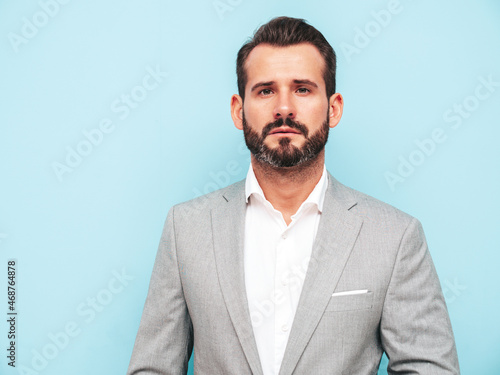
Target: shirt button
283	282
284	328
283	236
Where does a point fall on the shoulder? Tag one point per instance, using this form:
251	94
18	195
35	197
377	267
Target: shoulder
368	208
193	219
209	201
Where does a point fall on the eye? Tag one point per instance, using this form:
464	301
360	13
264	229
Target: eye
265	92
303	90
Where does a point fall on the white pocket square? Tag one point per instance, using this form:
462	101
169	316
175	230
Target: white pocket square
350	292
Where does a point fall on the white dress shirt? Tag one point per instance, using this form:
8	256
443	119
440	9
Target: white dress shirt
276	257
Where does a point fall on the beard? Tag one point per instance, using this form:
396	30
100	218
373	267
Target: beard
286	154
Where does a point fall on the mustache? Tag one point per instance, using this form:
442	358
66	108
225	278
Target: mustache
288	122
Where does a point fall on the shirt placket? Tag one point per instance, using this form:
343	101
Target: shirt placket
283	311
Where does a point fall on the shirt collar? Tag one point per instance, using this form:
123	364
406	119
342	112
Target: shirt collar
317	196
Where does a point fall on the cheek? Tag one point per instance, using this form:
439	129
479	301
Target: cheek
257	118
314	109
316	118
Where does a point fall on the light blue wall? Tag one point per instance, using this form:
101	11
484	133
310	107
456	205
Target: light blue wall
91	229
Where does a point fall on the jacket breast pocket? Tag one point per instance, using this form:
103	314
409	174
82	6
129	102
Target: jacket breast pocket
350	302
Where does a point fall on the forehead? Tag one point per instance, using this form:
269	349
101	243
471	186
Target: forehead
271	63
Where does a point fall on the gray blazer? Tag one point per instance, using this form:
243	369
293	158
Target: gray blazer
197	294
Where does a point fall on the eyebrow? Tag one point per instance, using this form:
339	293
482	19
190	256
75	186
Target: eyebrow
305	82
296	81
261	84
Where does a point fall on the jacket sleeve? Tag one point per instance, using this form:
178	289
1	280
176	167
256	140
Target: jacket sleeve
164	341
415	327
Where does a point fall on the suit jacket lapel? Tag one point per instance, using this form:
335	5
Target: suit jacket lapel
337	232
228	227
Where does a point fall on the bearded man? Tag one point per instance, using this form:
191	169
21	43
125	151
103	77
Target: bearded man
289	271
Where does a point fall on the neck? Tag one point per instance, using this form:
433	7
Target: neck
287	188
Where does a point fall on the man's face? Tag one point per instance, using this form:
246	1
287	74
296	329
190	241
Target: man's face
285	114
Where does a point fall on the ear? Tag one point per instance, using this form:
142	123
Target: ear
237	111
336	103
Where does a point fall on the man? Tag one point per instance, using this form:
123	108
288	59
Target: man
289	271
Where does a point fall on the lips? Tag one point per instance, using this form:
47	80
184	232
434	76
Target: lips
284	130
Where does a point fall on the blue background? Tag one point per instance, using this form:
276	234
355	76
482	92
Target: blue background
73	231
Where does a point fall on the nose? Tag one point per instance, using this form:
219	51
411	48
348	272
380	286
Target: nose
284	108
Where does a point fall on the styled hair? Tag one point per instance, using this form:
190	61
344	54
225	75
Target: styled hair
283	32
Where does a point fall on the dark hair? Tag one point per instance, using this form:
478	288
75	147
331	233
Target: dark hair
283	32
